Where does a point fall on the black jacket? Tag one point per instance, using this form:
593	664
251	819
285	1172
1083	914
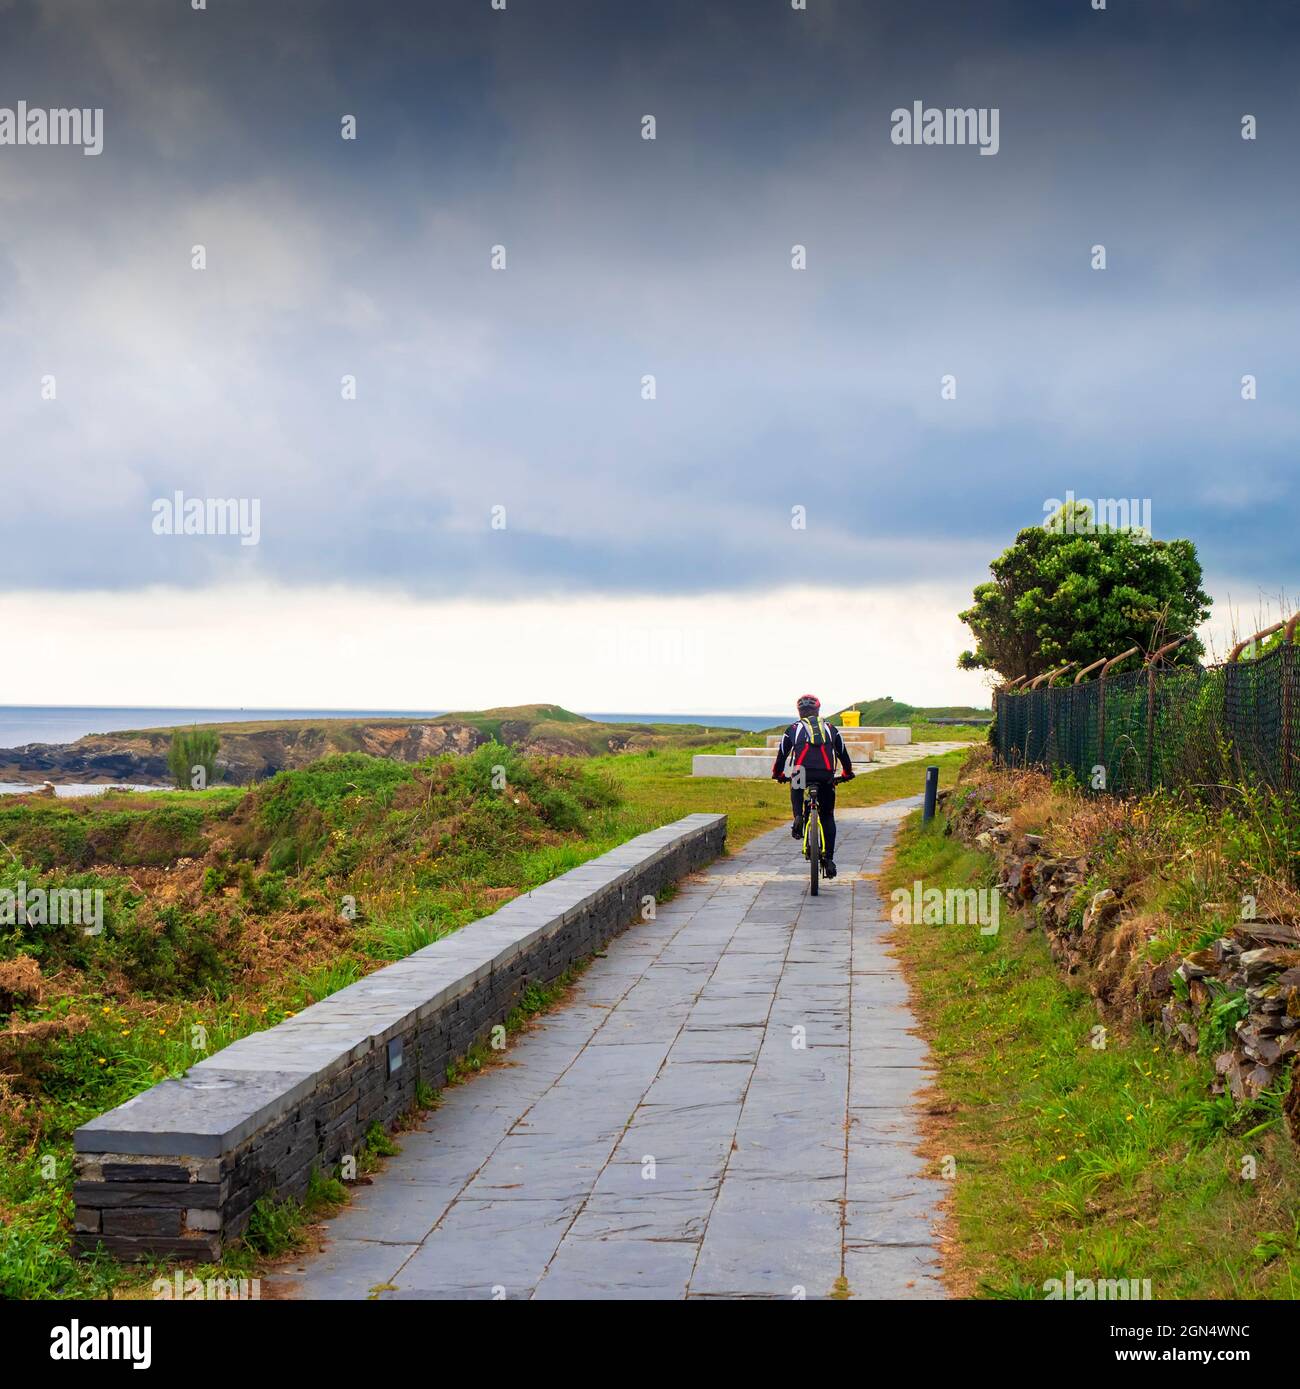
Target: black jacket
795	740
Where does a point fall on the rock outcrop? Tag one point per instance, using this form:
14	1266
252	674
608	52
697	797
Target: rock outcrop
248	753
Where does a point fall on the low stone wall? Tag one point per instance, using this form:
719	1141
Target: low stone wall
176	1170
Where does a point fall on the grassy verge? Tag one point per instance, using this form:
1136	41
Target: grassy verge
923	732
1107	1160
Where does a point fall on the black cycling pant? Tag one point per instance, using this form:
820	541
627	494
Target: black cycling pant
825	811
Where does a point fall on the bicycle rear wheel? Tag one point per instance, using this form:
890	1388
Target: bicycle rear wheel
814	845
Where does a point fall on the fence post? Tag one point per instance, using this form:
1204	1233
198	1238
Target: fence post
1049	742
1288	713
1101	718
1087	670
1004	741
1152	661
1101	713
1234	657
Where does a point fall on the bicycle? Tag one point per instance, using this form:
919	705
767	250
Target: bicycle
812	834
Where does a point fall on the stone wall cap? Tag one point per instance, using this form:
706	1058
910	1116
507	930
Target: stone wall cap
199	1115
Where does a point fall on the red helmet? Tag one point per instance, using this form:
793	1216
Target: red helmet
808	704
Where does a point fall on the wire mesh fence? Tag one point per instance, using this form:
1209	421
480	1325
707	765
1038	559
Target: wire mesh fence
1172	726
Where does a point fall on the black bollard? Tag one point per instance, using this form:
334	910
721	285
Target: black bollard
931	791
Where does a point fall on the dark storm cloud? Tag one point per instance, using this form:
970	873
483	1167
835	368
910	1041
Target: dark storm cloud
521	389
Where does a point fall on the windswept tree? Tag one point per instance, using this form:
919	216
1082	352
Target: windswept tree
192	760
1069	591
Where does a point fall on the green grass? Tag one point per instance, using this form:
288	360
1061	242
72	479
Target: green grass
1113	1162
925	732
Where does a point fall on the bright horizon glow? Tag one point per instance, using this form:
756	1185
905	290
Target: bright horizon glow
266	647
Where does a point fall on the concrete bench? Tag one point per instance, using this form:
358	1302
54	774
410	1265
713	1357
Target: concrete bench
880	737
858	752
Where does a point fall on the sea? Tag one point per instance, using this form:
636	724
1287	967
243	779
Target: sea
48	723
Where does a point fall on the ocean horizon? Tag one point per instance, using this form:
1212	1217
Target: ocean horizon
52	723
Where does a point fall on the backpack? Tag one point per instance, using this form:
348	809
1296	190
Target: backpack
812	734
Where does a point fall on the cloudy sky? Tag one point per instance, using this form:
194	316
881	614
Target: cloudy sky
643	555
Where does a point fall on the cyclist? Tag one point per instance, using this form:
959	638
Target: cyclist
814	745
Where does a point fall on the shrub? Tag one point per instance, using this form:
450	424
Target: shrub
193	750
171	952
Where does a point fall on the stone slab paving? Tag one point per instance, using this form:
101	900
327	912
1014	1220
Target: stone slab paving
891	756
723	1110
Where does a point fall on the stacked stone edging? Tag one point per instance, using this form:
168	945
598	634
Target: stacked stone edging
1260	958
177	1170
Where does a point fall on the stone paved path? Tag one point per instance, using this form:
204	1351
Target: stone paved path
892	756
662	1135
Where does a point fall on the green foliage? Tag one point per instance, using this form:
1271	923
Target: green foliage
324	1193
1218	1024
379	1143
193	748
289	819
322	982
402	933
329	783
64	943
35	1258
216	876
170	952
261	892
274	1227
73	835
1058	596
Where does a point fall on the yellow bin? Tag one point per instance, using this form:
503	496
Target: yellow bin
849	718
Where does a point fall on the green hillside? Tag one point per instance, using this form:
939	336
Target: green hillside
889	711
551	729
